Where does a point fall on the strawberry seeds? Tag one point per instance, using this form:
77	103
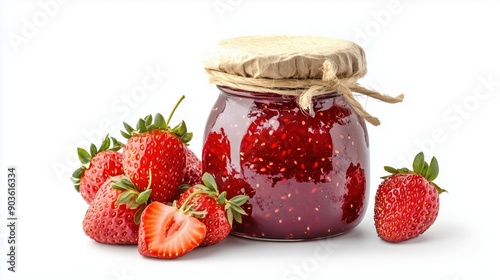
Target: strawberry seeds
149	191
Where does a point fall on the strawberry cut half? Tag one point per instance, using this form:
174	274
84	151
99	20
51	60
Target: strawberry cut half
167	232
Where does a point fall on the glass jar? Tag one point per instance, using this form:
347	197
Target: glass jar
306	174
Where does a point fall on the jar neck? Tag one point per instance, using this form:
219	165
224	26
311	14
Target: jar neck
267	95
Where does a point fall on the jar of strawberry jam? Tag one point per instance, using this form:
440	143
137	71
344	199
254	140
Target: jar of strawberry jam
287	131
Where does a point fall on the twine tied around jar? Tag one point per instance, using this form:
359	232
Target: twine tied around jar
345	86
306	89
300	66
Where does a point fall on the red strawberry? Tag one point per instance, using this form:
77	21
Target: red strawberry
407	202
113	215
167	232
192	174
219	212
154	146
97	167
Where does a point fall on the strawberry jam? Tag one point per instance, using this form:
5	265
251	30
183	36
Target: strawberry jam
306	173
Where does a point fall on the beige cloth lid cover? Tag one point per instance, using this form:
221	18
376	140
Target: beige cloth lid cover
302	66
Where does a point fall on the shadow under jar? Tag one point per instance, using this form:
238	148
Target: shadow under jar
306	174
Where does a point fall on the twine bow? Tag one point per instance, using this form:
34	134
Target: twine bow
344	86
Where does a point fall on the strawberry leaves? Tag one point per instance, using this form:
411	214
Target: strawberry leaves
108	144
232	206
149	123
131	196
145	124
429	171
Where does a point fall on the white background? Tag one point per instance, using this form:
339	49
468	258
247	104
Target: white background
71	71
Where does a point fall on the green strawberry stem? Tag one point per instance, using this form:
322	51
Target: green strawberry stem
209	187
131	196
429	171
149	123
175	108
187	207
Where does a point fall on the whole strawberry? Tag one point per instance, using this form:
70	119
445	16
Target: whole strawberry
217	212
97	166
113	216
407	201
192	174
155	148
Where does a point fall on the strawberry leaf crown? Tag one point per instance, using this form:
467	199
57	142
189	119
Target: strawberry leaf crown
429	171
131	196
108	144
232	206
149	123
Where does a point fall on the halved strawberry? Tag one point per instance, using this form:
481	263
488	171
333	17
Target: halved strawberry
167	232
